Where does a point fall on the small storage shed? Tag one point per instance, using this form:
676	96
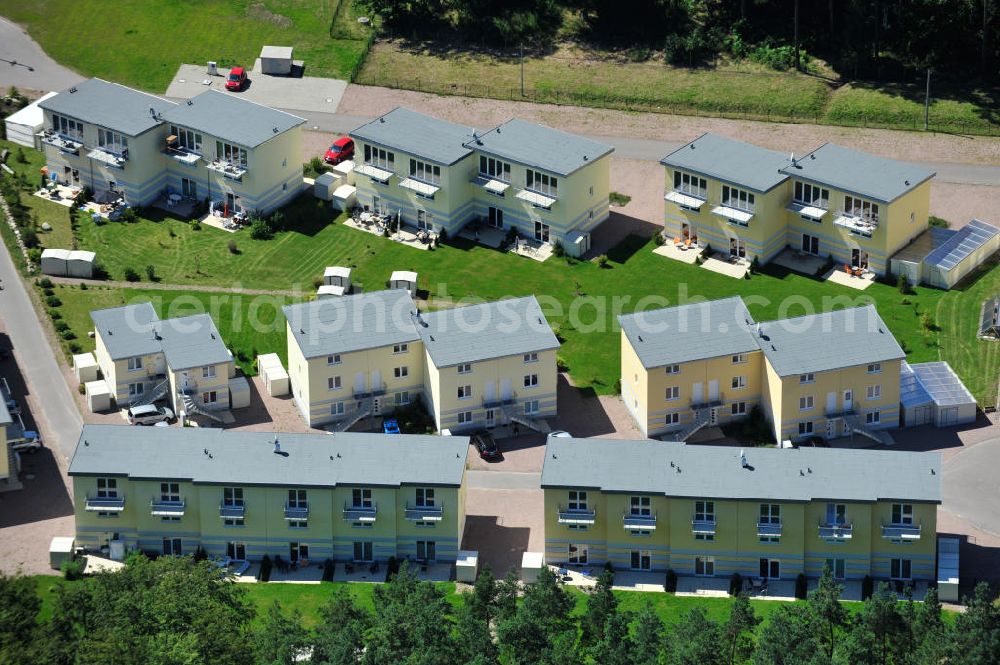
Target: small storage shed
330	291
345	197
531	565
273	375
325	185
276	60
23	127
346	171
239	393
337	276
60	551
85	367
578	243
931	393
961	254
404	279
80	263
466	566
947	569
55	262
98	396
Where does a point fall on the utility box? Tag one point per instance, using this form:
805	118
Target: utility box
466	566
325	185
344	197
85	367
273	375
61	551
531	566
98	396
276	60
404	279
346	171
239	393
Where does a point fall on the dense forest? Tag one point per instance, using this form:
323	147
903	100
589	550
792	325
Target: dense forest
858	38
178	611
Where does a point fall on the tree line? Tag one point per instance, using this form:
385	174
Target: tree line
860	38
178	611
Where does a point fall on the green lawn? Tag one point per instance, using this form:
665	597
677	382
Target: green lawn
141	43
900	106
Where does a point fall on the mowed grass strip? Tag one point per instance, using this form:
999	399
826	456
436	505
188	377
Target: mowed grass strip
898	106
141	43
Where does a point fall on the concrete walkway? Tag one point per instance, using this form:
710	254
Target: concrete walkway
34	70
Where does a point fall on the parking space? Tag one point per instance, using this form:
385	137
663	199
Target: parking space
502	525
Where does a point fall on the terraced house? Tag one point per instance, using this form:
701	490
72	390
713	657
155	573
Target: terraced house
765	513
241	495
237	154
474	366
709	363
858	208
144	359
548	185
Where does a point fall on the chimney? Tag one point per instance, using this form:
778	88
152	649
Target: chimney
277	446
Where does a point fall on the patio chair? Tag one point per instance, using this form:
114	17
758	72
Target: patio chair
677	240
848	270
687	243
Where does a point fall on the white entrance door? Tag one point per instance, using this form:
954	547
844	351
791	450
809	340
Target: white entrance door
494	217
359	383
831	402
505	390
697	393
848	400
541	232
713	390
491	418
376	380
490	392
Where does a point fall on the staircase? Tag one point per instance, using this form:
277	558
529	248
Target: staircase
192	407
365	408
858	426
702	418
158	392
515	416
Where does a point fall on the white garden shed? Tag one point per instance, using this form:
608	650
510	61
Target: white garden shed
80	263
54	262
932	394
23	127
273	374
325	184
276	60
404	279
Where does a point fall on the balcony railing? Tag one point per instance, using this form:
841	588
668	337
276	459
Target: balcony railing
106	504
901	531
297	512
841	412
836	531
769	529
576	516
636	522
167	508
232	511
496	403
65	143
703	526
424	513
113	159
537	199
354	513
491	184
182	155
859	224
227	169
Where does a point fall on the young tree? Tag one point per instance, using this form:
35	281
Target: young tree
19	632
875	628
475	620
280	638
696	640
339	638
739	630
601	605
788	638
977	630
932	637
648	637
507	591
830	615
615	646
541	626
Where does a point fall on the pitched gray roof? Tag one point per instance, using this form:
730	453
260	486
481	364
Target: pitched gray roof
232	118
489	330
690	332
716	472
351	323
820	342
109	105
249	458
539	147
417	134
136	330
858	172
735	162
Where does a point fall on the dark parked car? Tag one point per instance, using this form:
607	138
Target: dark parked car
487	446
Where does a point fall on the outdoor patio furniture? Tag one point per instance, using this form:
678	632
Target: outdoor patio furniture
847	269
348	568
372	569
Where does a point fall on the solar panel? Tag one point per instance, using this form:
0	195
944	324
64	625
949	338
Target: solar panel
942	384
966	240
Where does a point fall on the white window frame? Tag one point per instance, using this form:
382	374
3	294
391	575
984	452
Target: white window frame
807	403
402	398
464	392
464	417
873	393
135	363
704	510
672	419
333	360
900	569
401	372
672	393
380	158
902	514
640	506
576	500
333	383
811	195
741	199
706	564
805	428
873	417
425	172
67	127
874	368
530	380
855	206
738	409
739	358
401	348
673	369
465	368
531	407
739	382
530	357
424	497
110	141
208	372
494	169
542	183
808	377
187	139
337	409
687	183
210	397
231	154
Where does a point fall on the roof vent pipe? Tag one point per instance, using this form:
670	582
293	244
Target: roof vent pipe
277	446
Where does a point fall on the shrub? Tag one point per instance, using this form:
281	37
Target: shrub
74	347
83	286
35	255
265	569
67	335
60	326
277	221
317	282
129	216
54	314
29	237
866	587
72	569
196	226
558	250
81	388
927	321
670	583
21	157
131	275
618	386
618	199
602	260
801	588
48	292
658	239
938	222
260	230
755	265
200	554
328	568
53	301
316	165
233	249
735	584
561	365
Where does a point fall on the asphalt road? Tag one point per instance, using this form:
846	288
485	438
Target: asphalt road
970	486
60	419
24	64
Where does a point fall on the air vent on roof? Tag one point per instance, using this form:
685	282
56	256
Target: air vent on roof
277	446
585	158
275	130
152	112
72	90
639	337
691	146
812	156
907	182
382	120
791	158
213	335
772	348
301	331
743	459
190	103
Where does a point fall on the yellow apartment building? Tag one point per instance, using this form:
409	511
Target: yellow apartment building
548	185
144	359
475	366
766	513
708	363
304	497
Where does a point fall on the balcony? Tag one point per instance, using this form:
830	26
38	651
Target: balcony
66	144
812	212
297	512
498	403
769	529
841	413
703	526
228	169
106	504
901	531
831	531
424	513
536	199
167	507
423	189
576	516
232	511
376	173
113	159
182	155
687	201
635	522
491	184
857	224
375	392
733	215
360	513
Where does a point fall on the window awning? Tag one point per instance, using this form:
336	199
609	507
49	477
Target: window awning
496	186
732	214
536	199
684	200
373	172
812	212
419	187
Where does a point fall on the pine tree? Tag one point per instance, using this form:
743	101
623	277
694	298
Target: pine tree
601	605
280	638
615	646
830	615
339	637
696	640
739	630
648	637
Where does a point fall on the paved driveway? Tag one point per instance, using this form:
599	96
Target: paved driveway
33	70
972	487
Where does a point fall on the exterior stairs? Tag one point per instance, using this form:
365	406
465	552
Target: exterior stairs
192	407
365	407
857	426
158	392
515	416
702	418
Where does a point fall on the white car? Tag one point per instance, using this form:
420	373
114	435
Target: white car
149	414
560	434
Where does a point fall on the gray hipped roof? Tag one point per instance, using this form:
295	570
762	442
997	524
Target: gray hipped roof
231	118
539	147
820	342
858	172
690	332
732	161
215	456
716	472
418	135
109	105
352	323
481	332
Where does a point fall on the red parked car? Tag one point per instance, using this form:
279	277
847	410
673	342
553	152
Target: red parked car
341	150
237	79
